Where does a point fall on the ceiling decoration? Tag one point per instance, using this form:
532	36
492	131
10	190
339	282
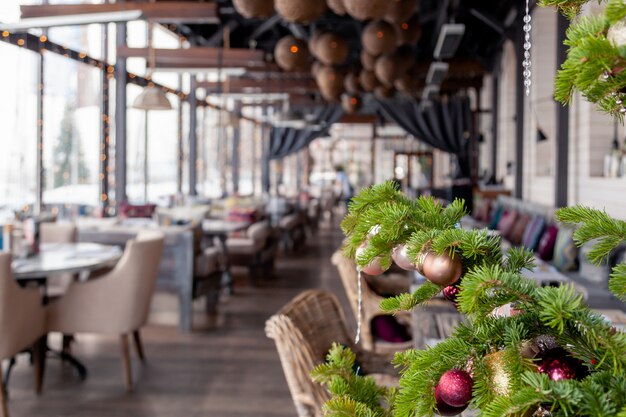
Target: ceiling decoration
351	83
351	103
399	9
254	9
409	31
330	49
330	81
379	37
367	60
300	11
368	80
292	54
367	9
337	6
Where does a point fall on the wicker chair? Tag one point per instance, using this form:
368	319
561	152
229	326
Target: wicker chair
371	309
304	331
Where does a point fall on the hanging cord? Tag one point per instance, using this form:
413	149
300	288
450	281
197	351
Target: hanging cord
527	45
359	318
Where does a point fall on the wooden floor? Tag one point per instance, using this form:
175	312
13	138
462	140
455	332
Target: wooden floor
225	368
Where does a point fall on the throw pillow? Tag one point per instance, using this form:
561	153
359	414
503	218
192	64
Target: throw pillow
388	329
507	221
483	209
565	251
518	229
533	232
545	250
495	217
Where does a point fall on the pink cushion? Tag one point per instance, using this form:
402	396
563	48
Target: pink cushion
518	229
507	221
133	211
545	250
388	329
483	211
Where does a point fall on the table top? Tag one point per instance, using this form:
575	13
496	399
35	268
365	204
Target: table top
222	227
60	258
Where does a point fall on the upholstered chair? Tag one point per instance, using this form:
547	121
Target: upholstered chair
118	302
22	324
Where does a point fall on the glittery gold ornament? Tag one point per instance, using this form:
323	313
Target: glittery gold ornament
500	377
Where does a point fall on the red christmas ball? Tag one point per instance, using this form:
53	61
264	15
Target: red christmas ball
444	409
451	292
559	365
402	259
444	269
374	268
455	388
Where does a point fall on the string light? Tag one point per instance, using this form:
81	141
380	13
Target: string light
527	64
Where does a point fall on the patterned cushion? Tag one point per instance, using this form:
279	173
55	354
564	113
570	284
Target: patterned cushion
518	229
482	211
533	232
545	250
507	221
495	217
565	251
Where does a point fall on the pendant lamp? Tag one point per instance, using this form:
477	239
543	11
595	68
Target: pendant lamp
152	97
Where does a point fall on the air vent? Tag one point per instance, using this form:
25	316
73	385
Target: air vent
449	40
437	72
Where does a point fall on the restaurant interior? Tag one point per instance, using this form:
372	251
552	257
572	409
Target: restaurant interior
188	196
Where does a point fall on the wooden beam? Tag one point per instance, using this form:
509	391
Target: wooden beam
263	86
198	57
358	119
165	12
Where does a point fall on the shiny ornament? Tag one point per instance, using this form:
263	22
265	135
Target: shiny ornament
291	54
455	388
558	364
402	259
300	11
367	61
374	268
331	49
330	82
352	84
399	9
500	376
366	9
351	103
444	409
368	80
254	9
379	37
409	31
337	6
451	292
444	269
617	33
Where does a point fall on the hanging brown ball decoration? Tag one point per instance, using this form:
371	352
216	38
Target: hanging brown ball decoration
254	9
366	9
337	7
300	11
399	9
331	49
291	54
379	37
315	67
313	42
368	80
402	259
351	103
383	92
387	69
368	61
330	82
351	83
374	268
444	269
405	56
409	31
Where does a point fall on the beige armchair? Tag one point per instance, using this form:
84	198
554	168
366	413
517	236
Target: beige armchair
371	306
257	250
57	285
117	302
22	324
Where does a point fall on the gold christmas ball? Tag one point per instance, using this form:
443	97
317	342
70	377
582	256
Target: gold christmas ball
331	49
444	269
291	54
337	7
400	9
330	82
366	9
368	61
351	103
300	11
383	92
617	33
409	31
254	9
352	84
368	80
379	37
500	380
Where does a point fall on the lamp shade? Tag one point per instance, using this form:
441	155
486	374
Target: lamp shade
337	6
351	103
300	11
388	69
252	9
330	82
399	9
351	83
331	49
379	37
366	9
367	60
152	98
368	80
291	53
409	31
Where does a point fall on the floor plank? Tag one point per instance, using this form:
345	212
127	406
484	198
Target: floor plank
226	368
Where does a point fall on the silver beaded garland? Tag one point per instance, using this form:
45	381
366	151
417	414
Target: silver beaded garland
527	45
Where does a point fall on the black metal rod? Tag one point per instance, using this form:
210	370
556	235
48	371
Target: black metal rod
562	124
519	111
193	138
495	122
120	120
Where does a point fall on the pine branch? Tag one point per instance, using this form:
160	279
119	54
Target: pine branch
617	284
406	302
570	8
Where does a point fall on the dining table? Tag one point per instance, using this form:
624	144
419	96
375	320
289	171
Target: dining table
221	229
80	259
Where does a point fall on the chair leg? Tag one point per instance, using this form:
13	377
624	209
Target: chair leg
4	412
40	349
128	377
139	345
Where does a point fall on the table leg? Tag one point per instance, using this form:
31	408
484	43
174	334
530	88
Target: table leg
227	278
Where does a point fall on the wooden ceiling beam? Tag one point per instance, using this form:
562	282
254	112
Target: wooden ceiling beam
165	12
239	85
198	57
